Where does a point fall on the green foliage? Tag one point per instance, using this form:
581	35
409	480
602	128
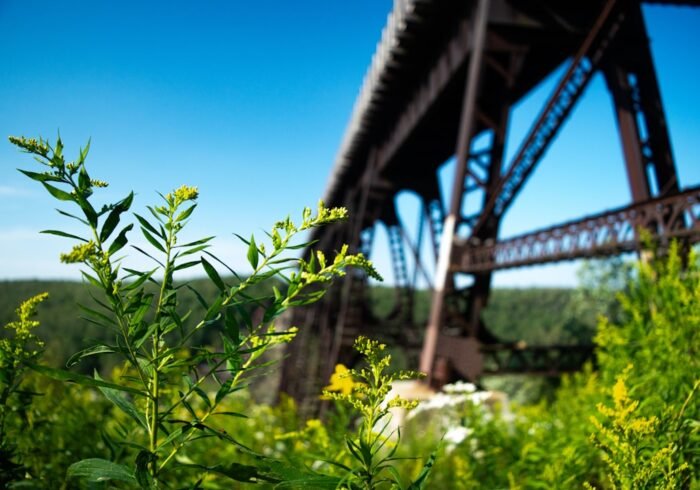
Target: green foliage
21	347
174	410
648	361
631	423
161	389
630	444
64	423
370	448
655	356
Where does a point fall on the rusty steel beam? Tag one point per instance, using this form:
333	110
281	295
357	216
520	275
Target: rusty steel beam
466	131
608	233
555	112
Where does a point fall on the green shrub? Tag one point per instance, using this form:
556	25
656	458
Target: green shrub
162	389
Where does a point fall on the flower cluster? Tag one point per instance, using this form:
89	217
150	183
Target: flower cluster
366	389
98	183
625	440
16	349
341	382
31	145
80	253
182	194
323	216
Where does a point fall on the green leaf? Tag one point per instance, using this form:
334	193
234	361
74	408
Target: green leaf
113	219
157	214
99	470
292	477
224	390
61	375
92	279
148	225
420	481
63	234
90	351
143	476
143	277
58	193
213	275
84	153
253	253
40	177
83	179
73	216
200	392
196	242
231	414
121	240
231	324
149	255
174	435
122	403
199	297
236	472
141	336
89	211
186	404
58	152
139	307
152	240
193	250
185	214
233	273
96	315
186	265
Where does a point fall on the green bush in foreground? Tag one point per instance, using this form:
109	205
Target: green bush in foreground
162	390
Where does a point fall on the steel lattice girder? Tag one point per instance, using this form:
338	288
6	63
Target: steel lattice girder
609	233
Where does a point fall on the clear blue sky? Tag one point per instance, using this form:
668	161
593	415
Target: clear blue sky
249	101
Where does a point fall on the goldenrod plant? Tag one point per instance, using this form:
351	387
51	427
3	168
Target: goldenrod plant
630	444
162	391
371	447
20	347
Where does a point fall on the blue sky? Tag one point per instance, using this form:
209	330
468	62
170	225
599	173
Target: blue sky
249	101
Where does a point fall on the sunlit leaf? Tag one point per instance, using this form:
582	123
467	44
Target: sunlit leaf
253	253
213	275
122	403
61	375
63	234
99	470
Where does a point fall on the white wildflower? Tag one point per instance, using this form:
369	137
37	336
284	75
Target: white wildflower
459	387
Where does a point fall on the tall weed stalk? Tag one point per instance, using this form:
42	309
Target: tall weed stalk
170	390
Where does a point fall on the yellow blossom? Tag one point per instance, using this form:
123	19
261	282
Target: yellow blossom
25	311
341	381
619	392
98	183
182	194
80	253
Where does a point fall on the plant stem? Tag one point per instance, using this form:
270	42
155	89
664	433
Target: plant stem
167	281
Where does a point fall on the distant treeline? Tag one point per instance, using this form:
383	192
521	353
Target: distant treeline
534	315
541	316
63	326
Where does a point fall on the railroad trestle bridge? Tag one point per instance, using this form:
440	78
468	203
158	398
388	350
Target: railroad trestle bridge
443	80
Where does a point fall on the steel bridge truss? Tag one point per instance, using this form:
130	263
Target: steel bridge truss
442	84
